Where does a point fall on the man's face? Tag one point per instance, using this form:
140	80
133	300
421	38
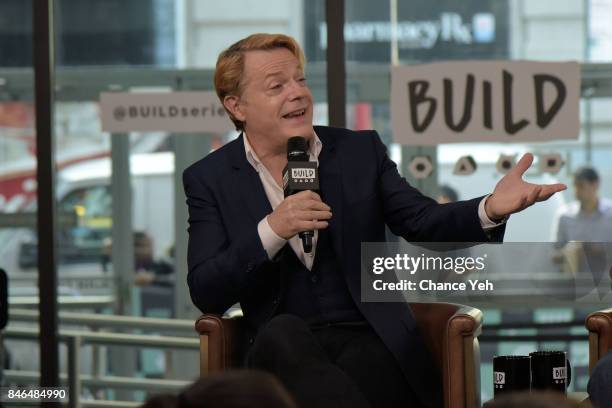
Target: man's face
585	191
276	103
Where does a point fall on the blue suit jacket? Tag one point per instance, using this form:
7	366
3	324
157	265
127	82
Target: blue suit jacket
228	264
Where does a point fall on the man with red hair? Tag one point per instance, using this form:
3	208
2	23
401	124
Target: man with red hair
304	317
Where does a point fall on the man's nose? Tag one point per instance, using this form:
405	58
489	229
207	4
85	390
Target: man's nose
297	90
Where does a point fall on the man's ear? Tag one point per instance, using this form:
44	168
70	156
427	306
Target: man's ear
232	104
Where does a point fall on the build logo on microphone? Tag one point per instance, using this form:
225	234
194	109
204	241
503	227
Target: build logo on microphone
303	175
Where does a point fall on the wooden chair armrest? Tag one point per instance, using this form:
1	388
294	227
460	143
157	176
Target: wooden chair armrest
436	320
599	325
219	342
450	331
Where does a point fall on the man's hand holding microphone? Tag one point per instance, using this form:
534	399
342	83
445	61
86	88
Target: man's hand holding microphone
300	212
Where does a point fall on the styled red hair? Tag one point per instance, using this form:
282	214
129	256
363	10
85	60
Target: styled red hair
229	71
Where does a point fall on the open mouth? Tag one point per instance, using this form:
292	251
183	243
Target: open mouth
295	114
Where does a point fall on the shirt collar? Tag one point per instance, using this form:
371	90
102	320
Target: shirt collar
314	149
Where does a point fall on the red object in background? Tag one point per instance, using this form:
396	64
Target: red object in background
18	118
363	116
17	187
21	185
16	115
18	184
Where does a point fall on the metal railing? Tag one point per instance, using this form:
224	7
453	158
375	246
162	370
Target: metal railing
108	321
75	339
544	331
93	301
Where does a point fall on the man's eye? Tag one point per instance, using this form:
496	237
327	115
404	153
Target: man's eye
275	86
302	80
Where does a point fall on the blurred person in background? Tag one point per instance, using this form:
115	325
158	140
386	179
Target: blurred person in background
447	194
589	218
583	228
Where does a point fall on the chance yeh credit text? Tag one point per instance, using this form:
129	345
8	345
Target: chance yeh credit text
413	264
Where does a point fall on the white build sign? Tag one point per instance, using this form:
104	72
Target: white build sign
485	101
189	112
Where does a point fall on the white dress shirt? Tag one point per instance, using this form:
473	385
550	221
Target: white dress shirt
271	242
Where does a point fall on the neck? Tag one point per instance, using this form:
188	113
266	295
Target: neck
590	205
270	155
269	150
273	157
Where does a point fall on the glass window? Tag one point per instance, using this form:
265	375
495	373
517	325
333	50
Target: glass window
120	204
126	187
17	176
159	45
400	32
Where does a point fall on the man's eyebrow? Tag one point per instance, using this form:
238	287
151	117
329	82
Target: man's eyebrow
273	74
280	72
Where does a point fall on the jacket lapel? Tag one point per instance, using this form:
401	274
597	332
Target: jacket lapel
330	184
246	181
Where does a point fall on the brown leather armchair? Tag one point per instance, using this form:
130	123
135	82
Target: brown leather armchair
449	330
599	325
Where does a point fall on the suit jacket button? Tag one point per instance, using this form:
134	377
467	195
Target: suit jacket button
251	340
314	279
275	302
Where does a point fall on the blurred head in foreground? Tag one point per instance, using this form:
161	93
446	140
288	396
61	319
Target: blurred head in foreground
233	389
532	400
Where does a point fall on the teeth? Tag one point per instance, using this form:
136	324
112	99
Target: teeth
296	114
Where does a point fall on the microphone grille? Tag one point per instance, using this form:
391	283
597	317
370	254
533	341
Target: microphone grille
297	149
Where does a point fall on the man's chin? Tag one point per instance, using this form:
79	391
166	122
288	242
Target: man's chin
305	131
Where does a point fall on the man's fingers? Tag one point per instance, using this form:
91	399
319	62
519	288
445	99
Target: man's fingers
549	189
315	215
523	164
533	195
307	195
311	225
555	188
308	200
319	205
320	225
314	205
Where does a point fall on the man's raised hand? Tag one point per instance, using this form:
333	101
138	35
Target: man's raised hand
513	194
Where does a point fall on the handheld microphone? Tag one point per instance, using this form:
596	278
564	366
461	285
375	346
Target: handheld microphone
300	174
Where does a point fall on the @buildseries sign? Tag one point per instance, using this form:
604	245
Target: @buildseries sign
485	101
163	112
